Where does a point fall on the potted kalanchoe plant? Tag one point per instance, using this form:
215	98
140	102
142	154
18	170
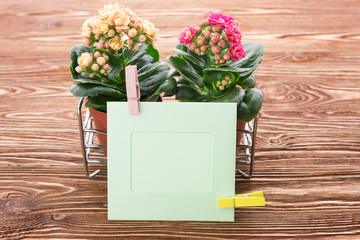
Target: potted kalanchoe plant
214	66
114	39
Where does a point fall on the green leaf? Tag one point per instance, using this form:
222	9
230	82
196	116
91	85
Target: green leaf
149	82
150	50
248	83
235	95
179	46
168	86
104	82
133	55
173	73
99	102
87	80
89	89
187	92
202	61
254	54
251	105
144	60
147	69
186	70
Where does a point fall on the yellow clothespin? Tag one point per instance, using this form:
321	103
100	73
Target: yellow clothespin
255	199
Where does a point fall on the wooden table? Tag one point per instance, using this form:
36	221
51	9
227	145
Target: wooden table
307	154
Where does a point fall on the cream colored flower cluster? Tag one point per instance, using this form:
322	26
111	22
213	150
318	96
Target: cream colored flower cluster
116	26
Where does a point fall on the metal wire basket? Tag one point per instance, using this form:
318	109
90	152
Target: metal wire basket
245	151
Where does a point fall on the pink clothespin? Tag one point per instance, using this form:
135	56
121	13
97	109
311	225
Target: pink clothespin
132	89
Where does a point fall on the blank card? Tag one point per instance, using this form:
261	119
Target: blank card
172	161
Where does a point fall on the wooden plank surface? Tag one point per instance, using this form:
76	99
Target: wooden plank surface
308	149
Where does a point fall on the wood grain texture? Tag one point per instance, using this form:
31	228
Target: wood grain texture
308	149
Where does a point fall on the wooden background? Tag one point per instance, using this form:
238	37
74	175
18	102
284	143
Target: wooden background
307	156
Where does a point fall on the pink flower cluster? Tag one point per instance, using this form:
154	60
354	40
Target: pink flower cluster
218	36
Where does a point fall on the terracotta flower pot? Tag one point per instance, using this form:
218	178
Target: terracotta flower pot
100	120
240	125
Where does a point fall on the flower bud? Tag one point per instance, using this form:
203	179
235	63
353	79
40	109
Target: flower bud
87	41
209	28
130	42
111	33
221	43
132	33
215	37
222	61
207	33
117	37
102	71
198	30
227	77
221	88
102	41
97	37
107	45
78	69
217	57
202	53
99	45
106	66
106	57
197	50
215	29
211	43
88	62
136	26
226	56
97	54
101	61
215	49
142	38
224	82
192	46
203	48
200	42
91	75
95	67
136	47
